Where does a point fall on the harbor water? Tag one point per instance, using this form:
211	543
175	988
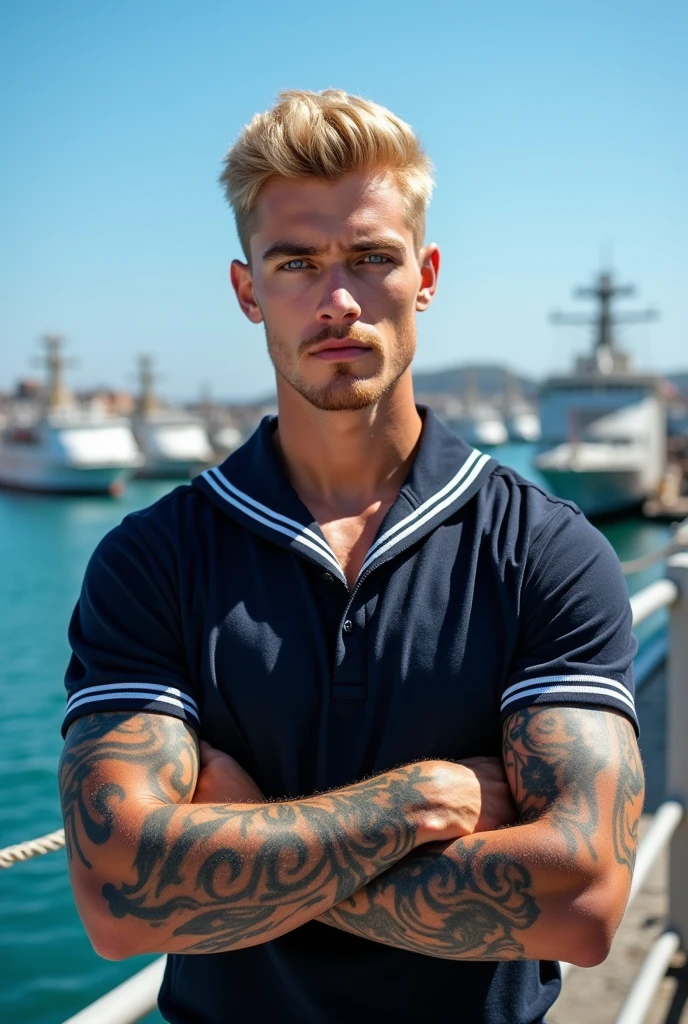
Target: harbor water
49	970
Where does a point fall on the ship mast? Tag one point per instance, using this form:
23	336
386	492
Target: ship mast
57	393
607	356
147	402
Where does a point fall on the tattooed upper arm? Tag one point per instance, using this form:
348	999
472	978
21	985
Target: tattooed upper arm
579	769
112	759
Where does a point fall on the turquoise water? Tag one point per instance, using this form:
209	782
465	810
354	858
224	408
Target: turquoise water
49	970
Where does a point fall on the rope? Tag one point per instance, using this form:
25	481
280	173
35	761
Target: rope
32	848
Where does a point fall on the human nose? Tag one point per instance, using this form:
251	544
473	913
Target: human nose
338	304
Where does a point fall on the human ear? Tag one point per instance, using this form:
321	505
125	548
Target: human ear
429	270
242	282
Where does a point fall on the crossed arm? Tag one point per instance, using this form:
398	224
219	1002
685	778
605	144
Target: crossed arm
391	859
555	885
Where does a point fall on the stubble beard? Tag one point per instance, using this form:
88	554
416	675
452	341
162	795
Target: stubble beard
345	392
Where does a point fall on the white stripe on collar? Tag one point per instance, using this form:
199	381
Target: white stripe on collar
426	504
291	528
417	518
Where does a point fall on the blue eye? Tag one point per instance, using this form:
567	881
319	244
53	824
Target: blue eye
300	264
377	258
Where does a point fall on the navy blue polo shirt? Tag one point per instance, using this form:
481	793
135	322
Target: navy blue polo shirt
224	605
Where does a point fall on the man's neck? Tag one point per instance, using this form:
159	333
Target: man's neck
348	460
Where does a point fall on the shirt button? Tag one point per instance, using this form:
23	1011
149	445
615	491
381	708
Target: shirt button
348	626
327	576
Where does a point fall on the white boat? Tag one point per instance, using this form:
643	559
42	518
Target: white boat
523	424
603	442
477	421
175	444
521	418
481	426
69	452
56	447
226	438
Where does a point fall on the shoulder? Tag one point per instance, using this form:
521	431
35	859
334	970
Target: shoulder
534	506
522	519
562	556
159	534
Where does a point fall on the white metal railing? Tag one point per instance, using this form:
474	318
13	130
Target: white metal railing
127	1003
647	980
658	595
664	823
670	824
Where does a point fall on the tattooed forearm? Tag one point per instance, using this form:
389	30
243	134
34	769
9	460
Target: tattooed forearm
458	903
213	877
577	782
301	857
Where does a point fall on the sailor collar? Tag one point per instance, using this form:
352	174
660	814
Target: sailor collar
252	487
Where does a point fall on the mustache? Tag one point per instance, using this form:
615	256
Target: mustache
357	332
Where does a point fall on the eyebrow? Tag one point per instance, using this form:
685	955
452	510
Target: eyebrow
296	250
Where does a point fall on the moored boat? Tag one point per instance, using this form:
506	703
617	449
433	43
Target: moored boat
603	442
53	446
175	443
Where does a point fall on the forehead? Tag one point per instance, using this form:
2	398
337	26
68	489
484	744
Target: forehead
356	205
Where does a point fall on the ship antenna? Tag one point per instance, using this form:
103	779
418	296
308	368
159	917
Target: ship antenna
606	355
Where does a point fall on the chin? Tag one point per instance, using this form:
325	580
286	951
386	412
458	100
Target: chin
345	397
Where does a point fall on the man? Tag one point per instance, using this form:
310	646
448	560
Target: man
361	619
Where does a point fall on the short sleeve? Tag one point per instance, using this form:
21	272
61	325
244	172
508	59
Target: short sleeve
575	642
125	634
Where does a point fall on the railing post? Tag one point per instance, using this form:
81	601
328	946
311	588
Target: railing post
677	742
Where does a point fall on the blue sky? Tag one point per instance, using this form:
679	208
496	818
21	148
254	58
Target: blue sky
557	131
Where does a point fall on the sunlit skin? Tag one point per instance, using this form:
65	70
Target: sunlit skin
336	278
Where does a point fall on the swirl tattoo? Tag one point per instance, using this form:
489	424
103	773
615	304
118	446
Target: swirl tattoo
450	902
219	875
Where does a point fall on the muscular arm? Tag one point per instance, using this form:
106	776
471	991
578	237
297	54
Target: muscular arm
553	886
154	872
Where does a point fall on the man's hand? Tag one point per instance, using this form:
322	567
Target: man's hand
222	780
486	794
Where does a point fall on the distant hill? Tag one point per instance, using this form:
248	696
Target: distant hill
486	378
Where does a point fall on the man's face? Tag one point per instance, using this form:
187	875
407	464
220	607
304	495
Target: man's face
336	280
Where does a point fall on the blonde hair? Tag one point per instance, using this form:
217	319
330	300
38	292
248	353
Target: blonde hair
324	135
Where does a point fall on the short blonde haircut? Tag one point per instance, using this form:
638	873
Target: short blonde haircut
324	135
